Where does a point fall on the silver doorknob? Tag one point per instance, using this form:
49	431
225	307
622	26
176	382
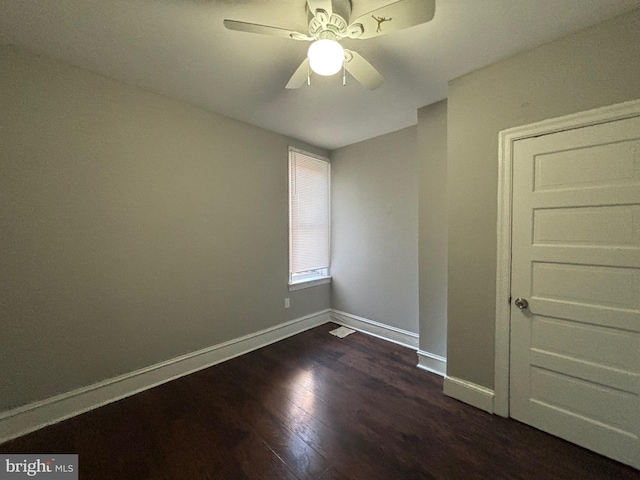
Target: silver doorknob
521	303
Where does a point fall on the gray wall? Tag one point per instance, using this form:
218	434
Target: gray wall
374	260
592	68
133	229
432	167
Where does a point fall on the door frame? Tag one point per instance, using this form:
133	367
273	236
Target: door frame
506	139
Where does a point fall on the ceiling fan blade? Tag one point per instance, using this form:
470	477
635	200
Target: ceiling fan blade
362	70
265	30
396	16
315	5
300	76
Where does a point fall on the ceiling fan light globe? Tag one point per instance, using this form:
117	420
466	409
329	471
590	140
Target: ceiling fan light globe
326	57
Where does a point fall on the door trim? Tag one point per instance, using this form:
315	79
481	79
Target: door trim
506	139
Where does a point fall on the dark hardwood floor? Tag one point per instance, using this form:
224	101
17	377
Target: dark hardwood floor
311	407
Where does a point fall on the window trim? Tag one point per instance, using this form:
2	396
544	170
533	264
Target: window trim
308	283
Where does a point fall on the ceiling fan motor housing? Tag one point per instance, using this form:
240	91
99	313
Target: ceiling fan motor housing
333	26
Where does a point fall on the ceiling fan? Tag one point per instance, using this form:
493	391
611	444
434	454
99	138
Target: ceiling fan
329	22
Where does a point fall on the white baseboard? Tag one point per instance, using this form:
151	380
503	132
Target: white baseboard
31	417
432	363
377	329
467	392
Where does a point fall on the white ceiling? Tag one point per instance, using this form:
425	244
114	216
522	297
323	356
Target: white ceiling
181	49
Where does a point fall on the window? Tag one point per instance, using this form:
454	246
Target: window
309	217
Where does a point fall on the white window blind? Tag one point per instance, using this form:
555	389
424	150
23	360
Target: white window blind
309	215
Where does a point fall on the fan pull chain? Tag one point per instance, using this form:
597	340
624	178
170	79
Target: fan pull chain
308	75
344	76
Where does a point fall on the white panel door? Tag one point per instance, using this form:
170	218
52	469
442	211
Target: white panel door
575	350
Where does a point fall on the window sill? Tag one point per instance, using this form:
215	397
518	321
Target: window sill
308	283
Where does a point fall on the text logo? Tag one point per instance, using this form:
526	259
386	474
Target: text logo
50	467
